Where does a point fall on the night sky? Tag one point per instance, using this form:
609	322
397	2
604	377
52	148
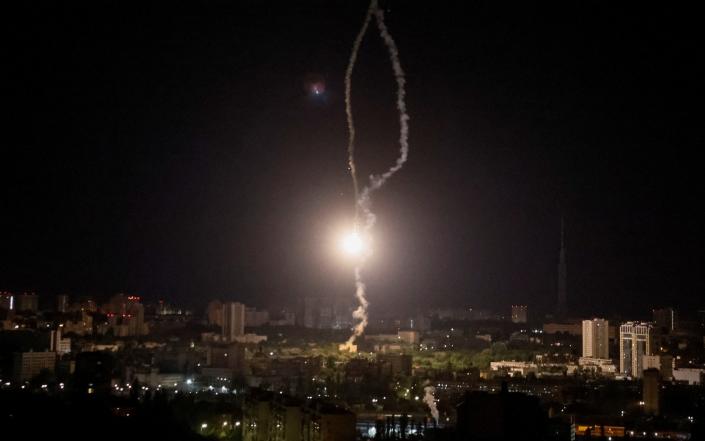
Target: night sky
180	152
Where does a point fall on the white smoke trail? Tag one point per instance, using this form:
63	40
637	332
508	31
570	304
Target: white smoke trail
348	100
430	401
364	201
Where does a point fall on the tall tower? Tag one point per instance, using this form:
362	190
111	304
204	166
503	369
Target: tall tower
596	338
233	320
635	341
562	305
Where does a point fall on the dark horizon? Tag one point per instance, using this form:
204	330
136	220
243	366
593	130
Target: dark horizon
183	156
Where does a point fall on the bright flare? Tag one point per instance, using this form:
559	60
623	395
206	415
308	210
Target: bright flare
352	244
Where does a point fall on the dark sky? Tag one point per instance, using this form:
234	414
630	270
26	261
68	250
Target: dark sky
176	152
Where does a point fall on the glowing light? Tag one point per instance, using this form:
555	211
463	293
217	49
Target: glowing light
352	244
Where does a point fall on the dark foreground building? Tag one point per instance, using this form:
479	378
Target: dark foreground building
504	416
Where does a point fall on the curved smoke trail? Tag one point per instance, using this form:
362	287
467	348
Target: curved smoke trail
363	201
348	102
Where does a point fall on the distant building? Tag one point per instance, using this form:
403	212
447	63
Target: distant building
596	338
82	326
650	391
135	317
283	318
255	318
663	363
231	356
635	341
214	313
27	365
287	418
512	368
117	304
519	314
394	364
690	376
233	320
601	366
309	312
327	422
257	416
250	338
58	344
562	328
62	303
665	320
155	379
27	302
7	300
409	337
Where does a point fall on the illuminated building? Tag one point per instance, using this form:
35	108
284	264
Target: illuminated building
27	365
257	416
287	418
135	317
596	338
519	314
635	341
62	303
58	344
233	320
7	300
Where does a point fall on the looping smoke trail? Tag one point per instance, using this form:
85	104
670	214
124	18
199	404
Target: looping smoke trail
364	201
430	401
348	101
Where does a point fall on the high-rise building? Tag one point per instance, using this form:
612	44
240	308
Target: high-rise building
665	320
7	300
562	305
635	341
27	301
135	317
663	363
62	303
309	313
214	312
519	314
233	320
650	391
596	338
